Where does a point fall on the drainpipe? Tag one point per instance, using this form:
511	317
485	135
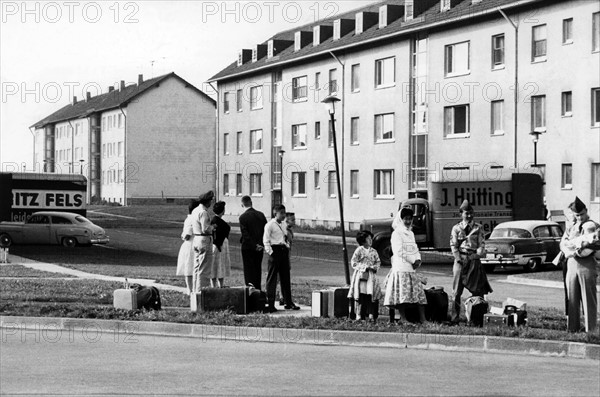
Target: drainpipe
516	93
124	157
217	153
343	120
72	147
33	163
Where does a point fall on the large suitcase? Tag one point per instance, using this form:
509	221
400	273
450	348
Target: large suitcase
215	299
437	304
148	298
319	303
475	308
338	304
125	298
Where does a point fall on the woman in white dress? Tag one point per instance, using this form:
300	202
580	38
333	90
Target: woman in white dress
186	257
403	286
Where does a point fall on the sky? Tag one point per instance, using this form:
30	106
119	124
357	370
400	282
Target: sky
51	51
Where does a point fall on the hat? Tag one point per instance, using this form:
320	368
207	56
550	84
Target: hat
577	206
207	196
406	211
465	206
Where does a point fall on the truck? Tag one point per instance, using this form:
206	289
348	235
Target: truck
23	193
435	213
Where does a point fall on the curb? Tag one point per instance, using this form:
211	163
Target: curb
534	281
50	329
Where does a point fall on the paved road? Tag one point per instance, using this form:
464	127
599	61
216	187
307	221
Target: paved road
149	365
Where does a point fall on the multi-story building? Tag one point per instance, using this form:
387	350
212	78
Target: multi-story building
153	141
429	90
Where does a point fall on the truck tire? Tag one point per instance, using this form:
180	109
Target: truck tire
383	246
69	242
533	265
5	240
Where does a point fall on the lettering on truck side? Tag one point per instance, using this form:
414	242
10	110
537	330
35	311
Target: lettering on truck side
43	199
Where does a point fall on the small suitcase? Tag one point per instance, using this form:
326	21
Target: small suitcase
518	316
319	303
214	299
475	308
437	304
257	300
338	304
502	320
148	298
125	298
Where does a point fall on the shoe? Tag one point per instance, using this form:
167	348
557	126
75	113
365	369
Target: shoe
292	307
281	302
270	309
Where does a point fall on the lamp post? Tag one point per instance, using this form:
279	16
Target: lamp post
281	153
330	103
535	137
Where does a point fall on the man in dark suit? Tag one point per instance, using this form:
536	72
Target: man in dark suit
252	226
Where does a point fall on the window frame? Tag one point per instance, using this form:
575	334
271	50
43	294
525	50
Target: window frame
226	144
377	183
451	59
498	65
355	78
225	184
566	176
239	142
298	182
566	103
239	184
543	57
354	184
226	102
534	127
317	130
256	145
296	136
595	185
382	139
453	134
595	107
300	92
567	30
380	72
331	184
239	96
493	119
596	32
256	101
256	182
354	131
332	83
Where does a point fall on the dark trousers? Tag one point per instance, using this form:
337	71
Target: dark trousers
279	265
252	261
364	306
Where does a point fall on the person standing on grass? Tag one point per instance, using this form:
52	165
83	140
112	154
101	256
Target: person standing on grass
221	265
203	241
186	257
252	226
276	245
581	269
364	290
290	223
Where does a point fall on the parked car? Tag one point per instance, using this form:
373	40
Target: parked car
47	227
522	243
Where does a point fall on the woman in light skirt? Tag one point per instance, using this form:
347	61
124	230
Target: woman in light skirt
186	257
221	265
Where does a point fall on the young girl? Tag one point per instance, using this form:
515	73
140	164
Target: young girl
364	288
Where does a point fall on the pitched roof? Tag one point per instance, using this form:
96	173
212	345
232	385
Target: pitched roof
428	19
109	100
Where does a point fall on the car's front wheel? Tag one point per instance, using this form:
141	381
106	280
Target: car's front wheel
5	240
383	247
533	265
69	242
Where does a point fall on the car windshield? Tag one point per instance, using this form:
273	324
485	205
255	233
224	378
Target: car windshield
510	232
81	219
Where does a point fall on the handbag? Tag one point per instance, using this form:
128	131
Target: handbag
559	260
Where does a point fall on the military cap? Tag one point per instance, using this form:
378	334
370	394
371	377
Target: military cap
577	206
465	206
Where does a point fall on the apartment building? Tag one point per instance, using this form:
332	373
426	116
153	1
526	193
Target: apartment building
150	142
427	92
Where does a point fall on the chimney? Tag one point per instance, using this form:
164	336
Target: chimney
321	33
258	52
88	96
74	99
364	20
388	14
274	47
342	27
111	88
140	79
122	85
302	39
244	56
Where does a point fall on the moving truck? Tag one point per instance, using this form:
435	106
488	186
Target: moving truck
494	201
22	194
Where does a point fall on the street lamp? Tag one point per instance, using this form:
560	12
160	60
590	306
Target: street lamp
281	153
535	137
330	102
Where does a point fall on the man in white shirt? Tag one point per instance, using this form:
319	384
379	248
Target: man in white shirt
277	247
203	230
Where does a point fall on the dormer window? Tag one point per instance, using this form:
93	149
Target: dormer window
254	55
316	35
388	14
408	10
364	20
270	49
240	58
301	39
444	5
336	29
342	27
382	17
359	23
297	42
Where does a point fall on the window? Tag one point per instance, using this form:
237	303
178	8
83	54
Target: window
330	142
332	81
408	10
256	141
103	123
384	127
596	32
317	81
566	104
538	113
238	143
226	102
238	184
337	29
317	130
121	172
541	232
226	184
114	121
457	59
384	183
298	183
596	107
331	184
497	51
497	117
77	126
354	183
354	131
596	182
120	149
567	31
109	122
299	136
385	72
317	180
567	176
255	184
256	101
355	83
538	43
456	121
445	5
239	97
104	150
225	144
299	91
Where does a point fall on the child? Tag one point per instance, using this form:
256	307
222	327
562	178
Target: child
364	288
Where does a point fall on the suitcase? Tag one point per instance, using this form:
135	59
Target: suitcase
338	304
475	308
437	304
125	298
501	320
518	316
257	300
148	298
319	303
214	299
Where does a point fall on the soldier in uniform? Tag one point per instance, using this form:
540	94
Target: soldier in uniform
467	245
